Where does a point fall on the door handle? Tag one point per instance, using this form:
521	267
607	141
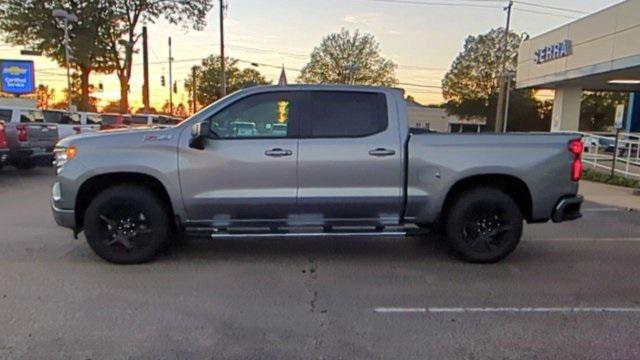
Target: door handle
382	152
277	152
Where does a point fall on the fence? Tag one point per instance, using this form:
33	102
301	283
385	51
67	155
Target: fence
600	150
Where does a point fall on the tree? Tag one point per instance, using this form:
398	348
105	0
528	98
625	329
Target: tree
208	79
76	96
114	107
345	58
471	85
125	35
30	23
45	96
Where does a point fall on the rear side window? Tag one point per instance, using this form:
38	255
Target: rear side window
139	120
5	115
27	116
110	119
344	114
94	119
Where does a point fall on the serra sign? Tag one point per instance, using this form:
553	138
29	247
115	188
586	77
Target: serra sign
17	76
552	52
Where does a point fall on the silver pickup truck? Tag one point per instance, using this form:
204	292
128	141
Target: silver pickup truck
347	164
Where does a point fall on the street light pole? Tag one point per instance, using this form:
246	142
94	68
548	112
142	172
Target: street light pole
170	80
223	76
499	111
66	17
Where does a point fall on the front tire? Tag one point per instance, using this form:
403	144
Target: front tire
483	225
127	224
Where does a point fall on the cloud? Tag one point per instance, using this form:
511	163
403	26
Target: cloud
362	18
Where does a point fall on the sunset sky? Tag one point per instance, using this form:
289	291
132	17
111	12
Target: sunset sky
422	36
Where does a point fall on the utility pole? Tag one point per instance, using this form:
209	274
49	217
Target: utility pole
503	81
223	79
508	77
170	80
145	64
194	87
66	17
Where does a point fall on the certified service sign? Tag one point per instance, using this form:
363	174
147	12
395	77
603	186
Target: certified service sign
17	76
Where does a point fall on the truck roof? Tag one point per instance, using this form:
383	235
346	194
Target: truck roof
339	87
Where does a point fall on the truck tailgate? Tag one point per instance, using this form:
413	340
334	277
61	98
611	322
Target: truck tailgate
42	135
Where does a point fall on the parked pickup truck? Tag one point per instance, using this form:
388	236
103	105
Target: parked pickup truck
30	139
347	165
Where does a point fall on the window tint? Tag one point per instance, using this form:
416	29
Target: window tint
110	119
263	115
345	114
31	116
5	115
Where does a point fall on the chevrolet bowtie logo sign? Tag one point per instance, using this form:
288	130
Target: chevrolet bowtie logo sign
14	70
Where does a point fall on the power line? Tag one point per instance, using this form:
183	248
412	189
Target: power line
545	13
551	7
415	2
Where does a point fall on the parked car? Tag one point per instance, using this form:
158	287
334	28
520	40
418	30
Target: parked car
69	123
157	120
111	121
30	139
347	165
4	147
91	122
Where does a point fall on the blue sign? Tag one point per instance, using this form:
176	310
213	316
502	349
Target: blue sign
552	52
17	76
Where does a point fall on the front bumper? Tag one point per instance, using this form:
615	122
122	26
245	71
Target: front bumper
567	209
63	217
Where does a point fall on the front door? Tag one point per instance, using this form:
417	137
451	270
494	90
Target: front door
247	172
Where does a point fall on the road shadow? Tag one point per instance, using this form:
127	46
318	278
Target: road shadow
382	249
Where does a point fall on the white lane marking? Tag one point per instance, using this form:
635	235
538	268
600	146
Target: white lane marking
436	310
630	239
399	310
601	209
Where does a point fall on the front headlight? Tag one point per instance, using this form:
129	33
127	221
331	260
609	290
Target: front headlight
63	155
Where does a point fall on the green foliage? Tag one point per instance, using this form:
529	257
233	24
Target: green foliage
598	176
345	58
471	86
208	79
30	23
598	109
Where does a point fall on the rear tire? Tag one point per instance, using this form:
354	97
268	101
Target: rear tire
127	224
483	225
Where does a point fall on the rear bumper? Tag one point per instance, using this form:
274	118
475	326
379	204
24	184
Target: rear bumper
4	155
567	209
43	156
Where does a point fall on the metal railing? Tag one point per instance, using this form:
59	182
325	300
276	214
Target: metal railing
600	149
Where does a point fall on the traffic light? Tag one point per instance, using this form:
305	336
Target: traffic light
100	87
175	87
162	82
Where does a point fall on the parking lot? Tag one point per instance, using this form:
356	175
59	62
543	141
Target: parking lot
569	291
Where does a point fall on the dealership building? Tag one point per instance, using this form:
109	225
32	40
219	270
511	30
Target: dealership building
600	52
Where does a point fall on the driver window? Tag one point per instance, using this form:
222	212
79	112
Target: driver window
257	116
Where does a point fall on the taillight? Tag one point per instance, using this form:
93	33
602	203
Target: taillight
22	132
3	136
576	148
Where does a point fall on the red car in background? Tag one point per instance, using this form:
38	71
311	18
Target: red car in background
111	121
4	147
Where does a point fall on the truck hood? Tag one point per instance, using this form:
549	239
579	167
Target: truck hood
120	138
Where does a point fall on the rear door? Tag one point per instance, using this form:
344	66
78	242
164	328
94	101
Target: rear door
349	163
243	178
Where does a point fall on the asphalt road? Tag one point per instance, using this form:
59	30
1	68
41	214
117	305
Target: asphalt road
569	291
